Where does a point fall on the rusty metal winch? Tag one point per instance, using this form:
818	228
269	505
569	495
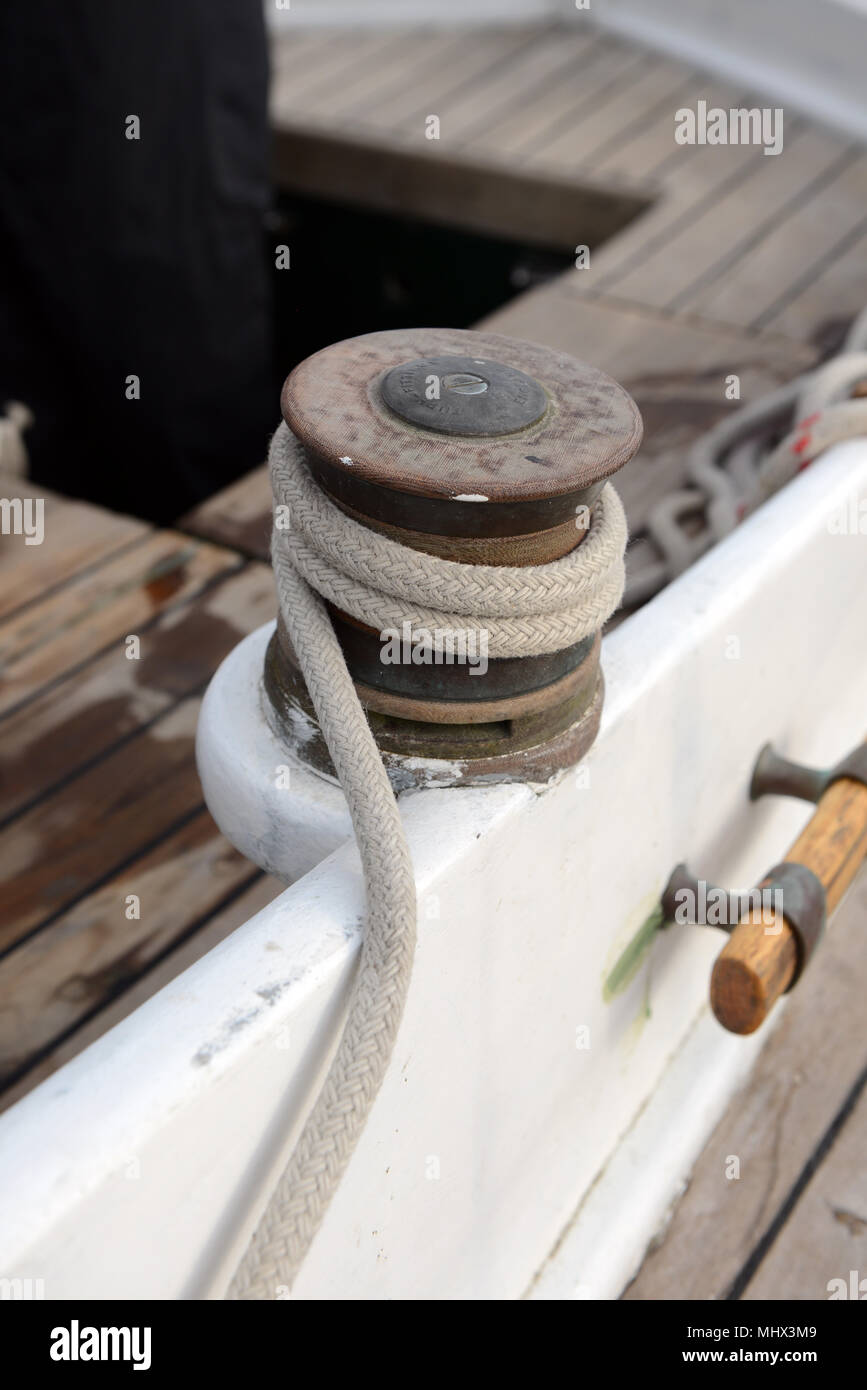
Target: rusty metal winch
481	449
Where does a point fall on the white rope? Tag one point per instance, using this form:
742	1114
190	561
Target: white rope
524	611
14	460
733	469
373	578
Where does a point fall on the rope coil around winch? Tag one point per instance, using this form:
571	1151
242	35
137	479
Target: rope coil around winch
324	553
524	611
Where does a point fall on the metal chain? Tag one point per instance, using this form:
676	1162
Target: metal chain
747	457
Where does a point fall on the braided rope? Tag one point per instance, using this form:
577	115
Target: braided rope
524	611
733	469
325	550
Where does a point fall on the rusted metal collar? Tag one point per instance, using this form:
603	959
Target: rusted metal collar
776	775
793	890
803	905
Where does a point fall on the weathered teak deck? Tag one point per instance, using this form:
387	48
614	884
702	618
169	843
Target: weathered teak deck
99	797
740	263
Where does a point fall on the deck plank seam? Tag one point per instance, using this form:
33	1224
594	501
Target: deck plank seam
639	122
349	112
16	1076
811	1166
771	224
81	769
488	125
396	43
810	277
681	222
120	867
426	66
721	327
231	570
677	155
310	81
572	68
464	84
182	526
565	119
87	569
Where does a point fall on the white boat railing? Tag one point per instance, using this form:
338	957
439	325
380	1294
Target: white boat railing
525	1105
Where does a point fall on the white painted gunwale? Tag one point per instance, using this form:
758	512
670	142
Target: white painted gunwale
197	1090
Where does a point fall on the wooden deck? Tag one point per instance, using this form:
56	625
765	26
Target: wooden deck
733	262
100	803
738	263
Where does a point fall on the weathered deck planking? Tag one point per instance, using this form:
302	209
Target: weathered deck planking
816	1256
810	238
239	516
719	240
326	62
587	134
570	101
381	106
99	797
510	87
687	184
814	300
103	1012
590	64
57	633
731	237
467	71
374	83
60	975
138	792
471	88
77	718
643	144
76	538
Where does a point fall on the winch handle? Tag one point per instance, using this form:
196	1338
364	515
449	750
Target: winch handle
762	960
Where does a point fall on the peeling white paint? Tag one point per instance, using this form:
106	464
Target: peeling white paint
433	772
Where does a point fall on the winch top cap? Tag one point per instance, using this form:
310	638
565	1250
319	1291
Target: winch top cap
429	428
463	395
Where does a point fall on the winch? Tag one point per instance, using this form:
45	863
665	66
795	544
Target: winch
476	449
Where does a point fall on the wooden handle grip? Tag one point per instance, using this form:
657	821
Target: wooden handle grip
756	965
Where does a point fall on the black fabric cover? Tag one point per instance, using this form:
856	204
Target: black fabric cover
144	257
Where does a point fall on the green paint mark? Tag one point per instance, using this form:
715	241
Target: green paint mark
629	961
636	1027
647	1011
